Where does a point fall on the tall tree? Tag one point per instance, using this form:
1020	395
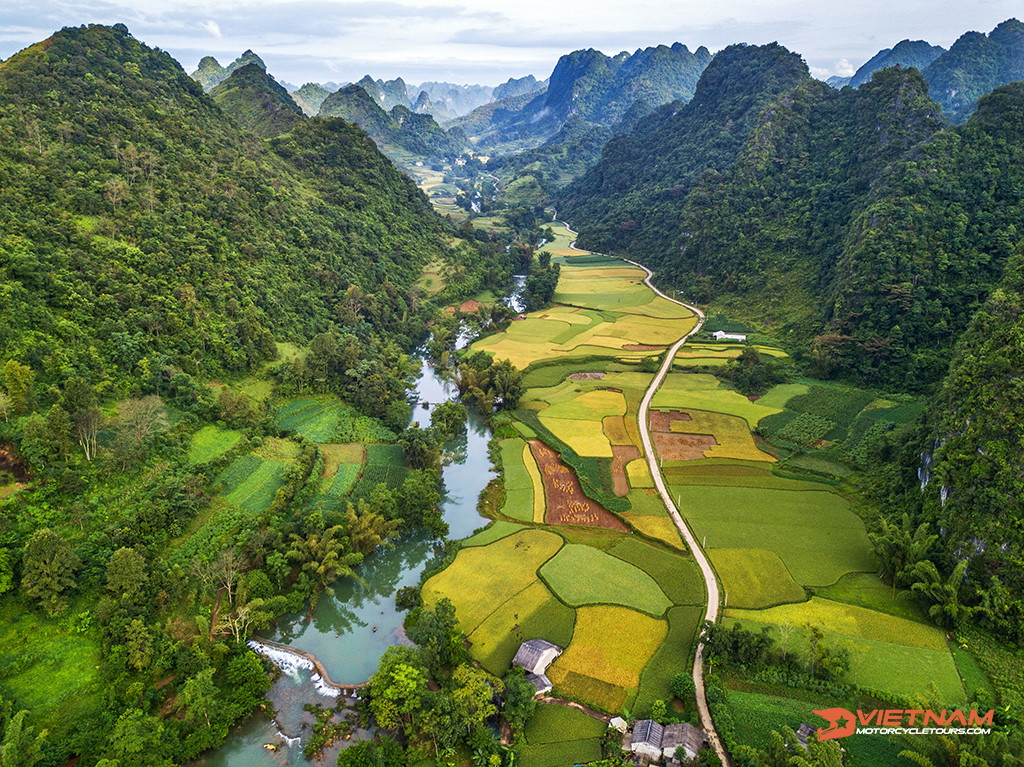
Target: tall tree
82	404
48	570
324	556
20	744
18	380
126	574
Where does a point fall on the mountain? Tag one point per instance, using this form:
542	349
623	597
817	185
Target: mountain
211	73
906	53
481	124
451	100
164	235
631	201
400	128
256	102
310	97
517	87
386	94
597	89
974	65
835	81
424	106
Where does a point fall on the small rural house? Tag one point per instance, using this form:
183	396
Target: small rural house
803	734
656	742
534	656
646	740
721	335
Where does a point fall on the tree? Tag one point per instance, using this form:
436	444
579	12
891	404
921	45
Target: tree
438	635
126	574
324	557
519	701
946	609
80	400
421	447
199	697
367	529
18	381
138	643
473	691
6	571
137	739
48	570
398	688
138	420
6	404
900	547
448	419
19	742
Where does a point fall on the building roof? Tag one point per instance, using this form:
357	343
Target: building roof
804	732
540	683
683	734
530	655
648	731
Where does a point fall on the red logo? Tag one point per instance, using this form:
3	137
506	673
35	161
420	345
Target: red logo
841	723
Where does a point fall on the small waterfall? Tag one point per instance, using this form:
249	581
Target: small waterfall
943	495
323	688
289	741
923	471
288	662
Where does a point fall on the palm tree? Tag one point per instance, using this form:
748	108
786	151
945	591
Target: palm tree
325	557
947	610
900	548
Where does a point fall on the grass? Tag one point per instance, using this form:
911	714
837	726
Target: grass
251	482
674	656
609	649
47	670
325	419
560	754
531	614
582	575
731	432
585	437
336	456
658	527
817	535
755	578
493	532
639	474
520	490
835	403
867	590
976	682
211	442
886	653
559	724
779	395
678	577
851	621
482	578
757	714
384	464
682	391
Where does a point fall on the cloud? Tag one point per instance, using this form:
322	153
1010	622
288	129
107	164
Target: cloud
844	68
212	27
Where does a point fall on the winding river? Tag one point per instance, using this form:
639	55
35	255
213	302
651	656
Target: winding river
351	629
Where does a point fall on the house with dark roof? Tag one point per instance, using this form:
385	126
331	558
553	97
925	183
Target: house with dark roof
803	734
534	656
646	739
685	736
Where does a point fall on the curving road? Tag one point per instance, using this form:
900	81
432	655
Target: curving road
707	571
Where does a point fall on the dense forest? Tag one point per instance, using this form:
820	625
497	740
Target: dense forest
161	247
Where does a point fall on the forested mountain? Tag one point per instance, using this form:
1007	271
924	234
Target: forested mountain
256	102
401	128
518	86
974	65
386	94
852	216
211	73
593	88
906	53
448	100
631	201
310	97
134	209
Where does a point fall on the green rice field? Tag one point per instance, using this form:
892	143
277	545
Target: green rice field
582	575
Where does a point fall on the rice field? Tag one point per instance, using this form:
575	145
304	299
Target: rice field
815	533
609	649
210	443
482	578
533	613
674	656
699	391
678	576
558	735
755	578
520	490
582	575
732	435
326	419
493	532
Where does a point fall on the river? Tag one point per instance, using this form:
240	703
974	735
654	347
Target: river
351	629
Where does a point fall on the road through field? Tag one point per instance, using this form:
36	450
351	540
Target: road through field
707	571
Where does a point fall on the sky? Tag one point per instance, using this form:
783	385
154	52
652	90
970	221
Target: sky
475	41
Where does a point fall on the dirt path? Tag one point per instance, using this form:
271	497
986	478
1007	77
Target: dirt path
707	571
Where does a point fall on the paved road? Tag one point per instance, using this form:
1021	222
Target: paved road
710	579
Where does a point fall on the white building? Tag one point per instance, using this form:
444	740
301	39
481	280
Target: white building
721	335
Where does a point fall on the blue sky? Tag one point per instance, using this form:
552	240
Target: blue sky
487	42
